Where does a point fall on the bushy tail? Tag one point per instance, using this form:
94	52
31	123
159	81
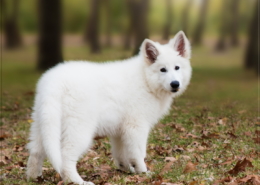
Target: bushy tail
49	117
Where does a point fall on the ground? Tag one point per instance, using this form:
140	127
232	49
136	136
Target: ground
211	135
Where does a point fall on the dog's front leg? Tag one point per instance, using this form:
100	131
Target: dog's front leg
133	148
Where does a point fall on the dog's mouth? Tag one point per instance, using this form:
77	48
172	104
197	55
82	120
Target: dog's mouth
175	90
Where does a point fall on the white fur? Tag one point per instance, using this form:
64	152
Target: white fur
76	101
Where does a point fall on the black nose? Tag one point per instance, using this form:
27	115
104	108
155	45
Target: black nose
175	84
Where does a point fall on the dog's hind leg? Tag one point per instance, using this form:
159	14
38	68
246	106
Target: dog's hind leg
76	139
37	154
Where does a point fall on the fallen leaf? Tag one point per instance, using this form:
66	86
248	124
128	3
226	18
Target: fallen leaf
194	183
60	183
192	135
2	163
241	111
45	169
135	178
4	134
158	181
221	181
170	159
57	176
233	183
250	179
167	167
228	162
29	93
248	133
40	179
201	148
178	127
257	140
211	118
85	158
222	121
105	167
232	135
205	144
29	120
210	136
92	153
189	167
177	149
162	150
20	163
99	137
185	157
240	166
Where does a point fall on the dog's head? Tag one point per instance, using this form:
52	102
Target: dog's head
167	67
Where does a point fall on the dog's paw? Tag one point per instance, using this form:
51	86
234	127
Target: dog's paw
87	183
132	169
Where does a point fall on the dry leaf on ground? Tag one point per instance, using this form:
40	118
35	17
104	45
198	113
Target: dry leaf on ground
241	166
189	167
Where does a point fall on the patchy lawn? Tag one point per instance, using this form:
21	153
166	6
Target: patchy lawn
211	135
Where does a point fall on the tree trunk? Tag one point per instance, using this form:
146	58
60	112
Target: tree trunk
108	23
127	37
138	10
199	29
49	48
252	51
168	23
234	23
185	17
13	38
92	34
223	29
129	31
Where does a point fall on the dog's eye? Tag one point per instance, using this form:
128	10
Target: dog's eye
163	70
177	67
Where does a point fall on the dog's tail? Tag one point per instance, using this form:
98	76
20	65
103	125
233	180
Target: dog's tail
50	115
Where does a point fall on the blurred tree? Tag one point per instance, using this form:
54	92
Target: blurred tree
168	22
49	48
234	22
129	28
138	12
199	28
128	35
252	50
13	38
185	16
92	31
108	22
223	29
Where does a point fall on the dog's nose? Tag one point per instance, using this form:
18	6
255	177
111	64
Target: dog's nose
175	84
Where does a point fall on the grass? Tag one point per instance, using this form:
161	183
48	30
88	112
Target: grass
210	129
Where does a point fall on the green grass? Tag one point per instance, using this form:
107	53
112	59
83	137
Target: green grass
214	122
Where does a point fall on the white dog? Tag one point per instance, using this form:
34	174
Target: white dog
76	101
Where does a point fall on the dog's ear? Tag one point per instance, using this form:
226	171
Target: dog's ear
149	50
181	44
